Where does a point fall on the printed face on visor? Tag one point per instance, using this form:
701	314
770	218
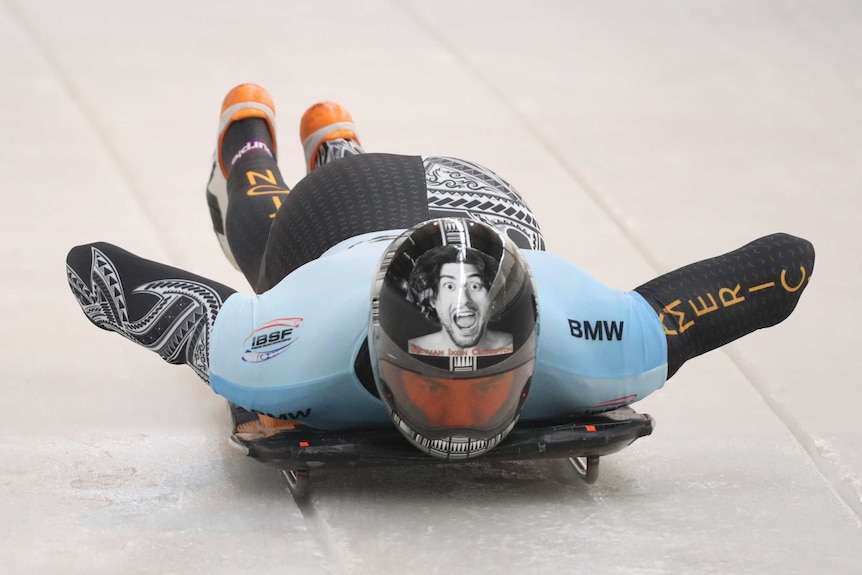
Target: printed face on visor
462	303
452	285
478	403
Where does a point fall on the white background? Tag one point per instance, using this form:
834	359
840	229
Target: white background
645	135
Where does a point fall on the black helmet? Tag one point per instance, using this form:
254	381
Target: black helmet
453	335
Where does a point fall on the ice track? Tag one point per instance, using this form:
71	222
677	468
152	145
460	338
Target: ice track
644	135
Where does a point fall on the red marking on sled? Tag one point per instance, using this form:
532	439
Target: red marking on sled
303	444
590	427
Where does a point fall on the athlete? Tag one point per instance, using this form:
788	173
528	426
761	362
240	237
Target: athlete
353	326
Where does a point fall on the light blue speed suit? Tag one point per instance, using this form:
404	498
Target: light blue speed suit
296	350
291	351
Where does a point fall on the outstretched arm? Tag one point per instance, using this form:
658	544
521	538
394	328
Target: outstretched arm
165	309
707	304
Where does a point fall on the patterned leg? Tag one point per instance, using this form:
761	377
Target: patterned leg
165	309
336	150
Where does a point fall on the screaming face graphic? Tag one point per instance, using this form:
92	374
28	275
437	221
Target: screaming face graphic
452	286
462	303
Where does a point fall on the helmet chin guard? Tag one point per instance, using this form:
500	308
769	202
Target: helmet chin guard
453	336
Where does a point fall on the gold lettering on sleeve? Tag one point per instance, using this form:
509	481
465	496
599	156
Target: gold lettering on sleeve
678	322
789	288
761	286
704	308
729	296
680	318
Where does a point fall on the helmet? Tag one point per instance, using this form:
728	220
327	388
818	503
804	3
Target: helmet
453	335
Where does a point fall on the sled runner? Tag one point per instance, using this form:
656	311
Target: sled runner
297	450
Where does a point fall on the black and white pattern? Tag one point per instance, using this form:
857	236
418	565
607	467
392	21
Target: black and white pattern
461	189
453	447
335	150
455	232
462	363
177	324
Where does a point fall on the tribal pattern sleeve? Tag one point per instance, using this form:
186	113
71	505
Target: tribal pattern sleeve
165	309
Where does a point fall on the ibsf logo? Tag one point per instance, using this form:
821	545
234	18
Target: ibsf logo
271	339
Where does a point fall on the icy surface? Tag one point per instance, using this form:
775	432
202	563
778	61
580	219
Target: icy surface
645	135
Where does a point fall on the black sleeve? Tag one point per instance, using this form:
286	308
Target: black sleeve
165	309
707	304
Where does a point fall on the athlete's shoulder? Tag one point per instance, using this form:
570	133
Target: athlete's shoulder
319	312
553	273
292	349
591	328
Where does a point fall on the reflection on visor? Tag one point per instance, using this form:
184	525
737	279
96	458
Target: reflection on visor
435	403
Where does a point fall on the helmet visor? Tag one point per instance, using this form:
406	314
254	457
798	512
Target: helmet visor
477	404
